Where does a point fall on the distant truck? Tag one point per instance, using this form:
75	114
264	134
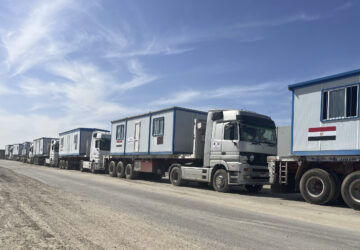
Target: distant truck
75	148
222	148
25	150
2	153
325	142
16	151
53	160
8	151
41	150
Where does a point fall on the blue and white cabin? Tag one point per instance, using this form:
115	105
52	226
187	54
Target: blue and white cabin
163	132
76	142
325	115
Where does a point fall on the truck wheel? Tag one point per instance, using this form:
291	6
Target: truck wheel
112	170
220	181
92	168
317	186
175	176
61	164
350	190
129	172
120	170
253	188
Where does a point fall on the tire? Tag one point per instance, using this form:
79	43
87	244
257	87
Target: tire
350	190
81	166
253	188
61	164
120	170
175	176
129	172
317	186
220	181
112	169
92	168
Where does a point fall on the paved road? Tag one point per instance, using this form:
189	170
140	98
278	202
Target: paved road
208	218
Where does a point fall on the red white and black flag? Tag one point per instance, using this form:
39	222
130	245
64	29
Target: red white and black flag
322	134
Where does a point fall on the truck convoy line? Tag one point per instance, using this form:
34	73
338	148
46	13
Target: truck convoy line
225	148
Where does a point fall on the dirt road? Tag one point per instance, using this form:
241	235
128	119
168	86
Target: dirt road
42	207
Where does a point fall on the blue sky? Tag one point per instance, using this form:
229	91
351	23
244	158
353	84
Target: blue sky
67	64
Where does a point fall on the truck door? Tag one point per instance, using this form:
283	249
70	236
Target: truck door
137	137
230	141
216	140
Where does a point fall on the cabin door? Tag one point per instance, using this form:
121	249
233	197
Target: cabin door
137	137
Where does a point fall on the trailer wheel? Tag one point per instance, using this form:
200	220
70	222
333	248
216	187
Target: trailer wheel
220	181
61	164
66	165
350	190
253	188
120	170
317	186
112	170
175	176
129	172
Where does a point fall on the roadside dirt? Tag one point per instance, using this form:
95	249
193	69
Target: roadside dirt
36	216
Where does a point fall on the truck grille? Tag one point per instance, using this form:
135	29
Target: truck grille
259	159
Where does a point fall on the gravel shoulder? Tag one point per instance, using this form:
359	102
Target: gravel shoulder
37	216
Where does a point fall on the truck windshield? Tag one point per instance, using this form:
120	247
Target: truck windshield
257	134
104	144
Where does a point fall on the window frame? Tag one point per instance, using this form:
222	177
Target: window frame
153	126
328	90
236	125
122	136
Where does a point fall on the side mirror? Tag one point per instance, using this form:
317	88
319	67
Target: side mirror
235	143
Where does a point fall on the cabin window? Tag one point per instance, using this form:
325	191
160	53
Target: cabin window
120	131
340	103
158	126
76	141
231	132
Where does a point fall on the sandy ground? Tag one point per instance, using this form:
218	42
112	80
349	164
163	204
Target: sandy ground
37	216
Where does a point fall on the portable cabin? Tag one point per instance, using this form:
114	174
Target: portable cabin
164	132
41	146
76	142
325	115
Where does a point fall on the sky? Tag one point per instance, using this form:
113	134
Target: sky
67	64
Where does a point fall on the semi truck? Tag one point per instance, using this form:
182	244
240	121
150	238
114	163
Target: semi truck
8	151
325	142
75	147
99	150
41	150
24	155
222	148
16	151
53	160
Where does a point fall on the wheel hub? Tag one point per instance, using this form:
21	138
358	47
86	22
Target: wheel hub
315	186
220	181
354	189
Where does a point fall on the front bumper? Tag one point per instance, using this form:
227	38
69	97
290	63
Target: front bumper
246	174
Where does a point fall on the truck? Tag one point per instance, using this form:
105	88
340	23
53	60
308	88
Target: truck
75	147
221	147
99	150
7	151
53	160
2	153
41	150
16	151
324	162
24	155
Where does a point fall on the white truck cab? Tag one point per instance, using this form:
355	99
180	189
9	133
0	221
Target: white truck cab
99	148
53	159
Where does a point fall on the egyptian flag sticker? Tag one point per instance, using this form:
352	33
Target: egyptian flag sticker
322	134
